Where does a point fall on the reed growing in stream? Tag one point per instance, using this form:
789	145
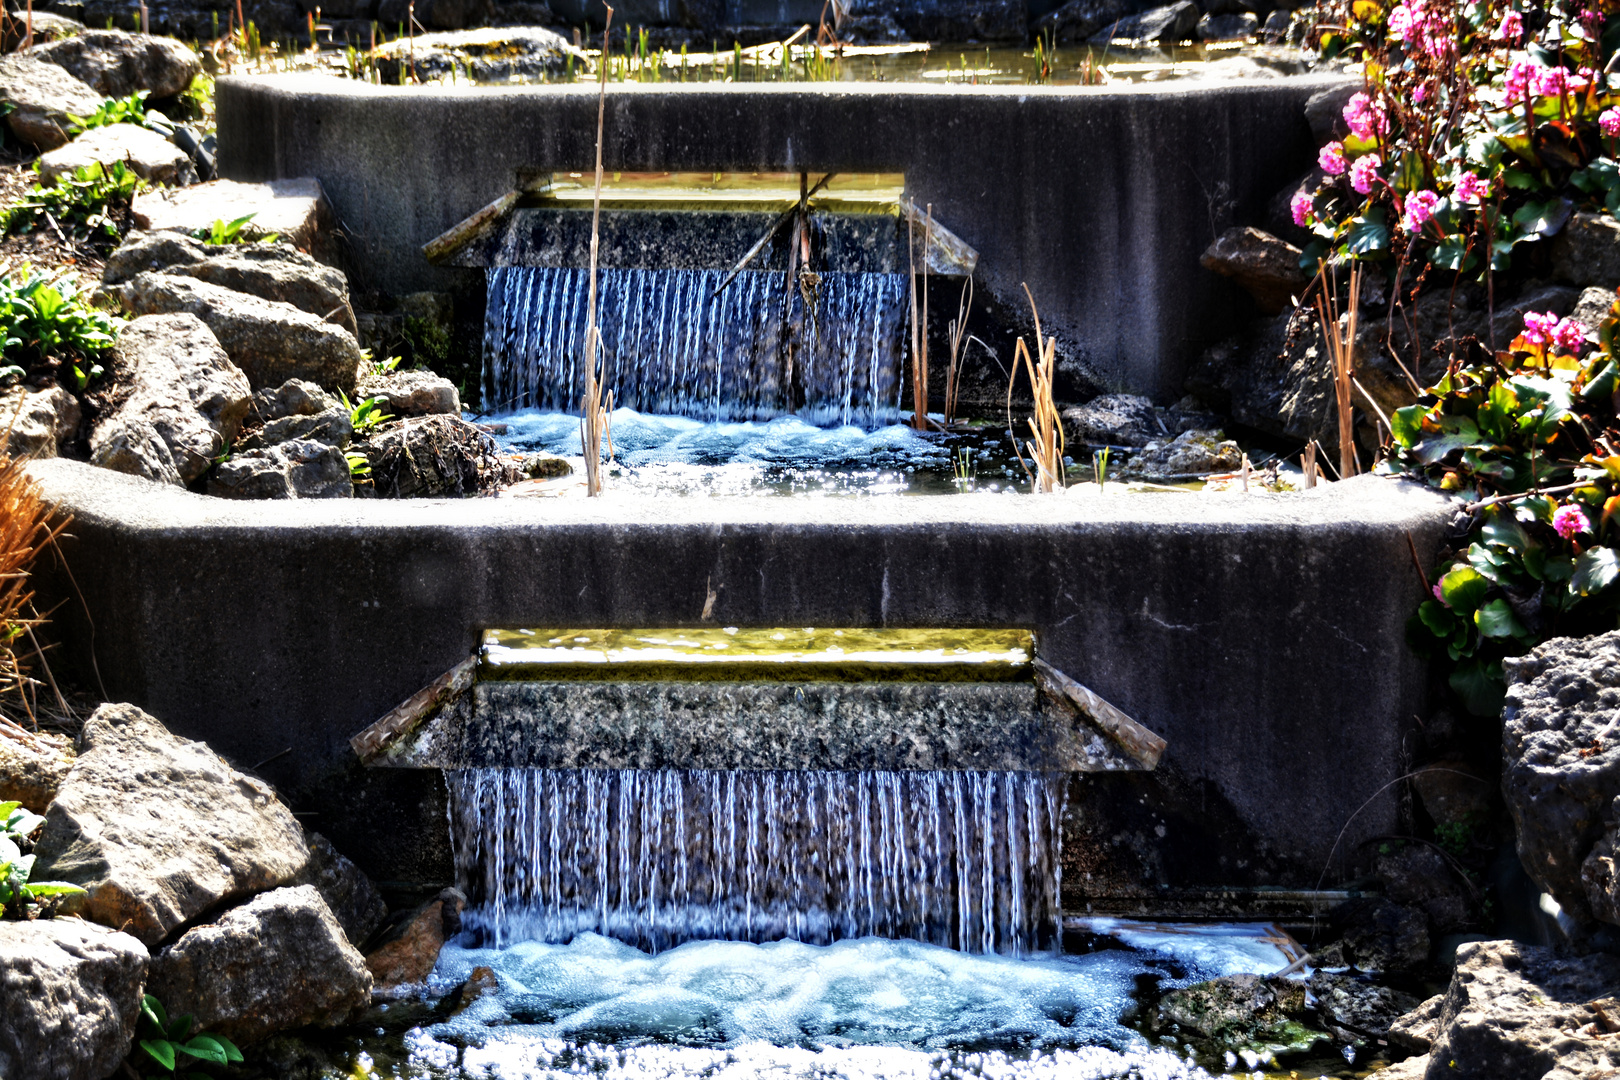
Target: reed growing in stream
594	427
1045	467
25	531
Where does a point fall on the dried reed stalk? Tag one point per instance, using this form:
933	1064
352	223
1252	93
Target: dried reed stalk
1340	342
594	426
25	531
919	324
956	333
1046	448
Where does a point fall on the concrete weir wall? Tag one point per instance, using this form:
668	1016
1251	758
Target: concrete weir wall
1262	636
1100	198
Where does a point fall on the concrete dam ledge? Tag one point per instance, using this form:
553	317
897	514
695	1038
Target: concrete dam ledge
1261	636
1100	198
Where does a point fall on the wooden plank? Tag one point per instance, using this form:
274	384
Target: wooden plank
461	234
1136	740
414	711
947	253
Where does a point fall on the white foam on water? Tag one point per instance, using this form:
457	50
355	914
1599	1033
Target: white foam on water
1218	948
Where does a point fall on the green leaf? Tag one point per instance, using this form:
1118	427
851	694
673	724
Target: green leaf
160	1051
205	1048
1368	234
1502	531
1480	688
231	1052
1496	620
54	888
1595	570
1407	425
152	1009
1437	617
8	808
1464	589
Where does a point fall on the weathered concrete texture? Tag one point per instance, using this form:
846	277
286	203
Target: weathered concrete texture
1101	199
757	725
1195	616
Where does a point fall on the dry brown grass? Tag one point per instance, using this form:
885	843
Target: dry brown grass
1046	446
25	531
1339	337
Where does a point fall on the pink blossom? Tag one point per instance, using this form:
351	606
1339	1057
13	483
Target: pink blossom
1568	520
1419	209
1364	172
1609	121
1331	158
1420	93
1551	82
1471	189
1538	329
1302	206
1592	22
1583	78
1365	117
1438	595
1511	29
1517	81
1569	335
1417	23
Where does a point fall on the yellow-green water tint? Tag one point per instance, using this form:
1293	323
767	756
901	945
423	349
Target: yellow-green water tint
847	193
775	654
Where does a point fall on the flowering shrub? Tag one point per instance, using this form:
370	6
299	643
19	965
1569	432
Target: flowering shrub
1532	438
1483	124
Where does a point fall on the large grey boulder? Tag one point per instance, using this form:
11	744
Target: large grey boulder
70	996
269	340
490	55
116	64
43	97
295	397
270	271
160	830
1115	420
183	390
1518	1012
1235	1007
1592	307
1235	26
352	898
1561	758
431	457
295	210
1191	453
277	962
152	157
296	469
411	393
41	422
1266	267
332	427
33	765
1171	23
1077	20
1587	251
407	947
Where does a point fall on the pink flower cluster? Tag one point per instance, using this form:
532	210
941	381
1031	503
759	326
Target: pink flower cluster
1419	209
1364	173
1331	158
1525	77
1568	520
1550	330
1511	29
1302	206
1609	122
1418	24
1592	23
1471	189
1366	117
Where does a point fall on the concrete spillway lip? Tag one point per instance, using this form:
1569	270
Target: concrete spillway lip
1262	636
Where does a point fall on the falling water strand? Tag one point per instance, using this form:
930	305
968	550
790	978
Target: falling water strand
671	346
968	860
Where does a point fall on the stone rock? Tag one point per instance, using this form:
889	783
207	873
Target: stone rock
481	983
404	951
46	26
1587	251
1078	20
134	447
297	469
349	894
295	210
1238	1009
412	393
33	765
1419	876
1355	1010
269	271
1267	268
1600	875
1192	453
1324	111
1381	935
154	855
1274	31
199	148
182	389
1453	793
332	427
43	97
278	961
70	992
1235	27
149	154
1416	1030
1172	23
1592	307
431	457
116	64
1509	322
1114	420
1413	1068
1519	1012
1560	761
295	397
490	55
545	467
41	422
269	340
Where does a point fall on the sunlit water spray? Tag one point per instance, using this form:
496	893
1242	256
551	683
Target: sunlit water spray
761	348
968	860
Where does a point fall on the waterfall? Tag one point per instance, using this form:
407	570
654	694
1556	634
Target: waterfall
670	345
969	860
